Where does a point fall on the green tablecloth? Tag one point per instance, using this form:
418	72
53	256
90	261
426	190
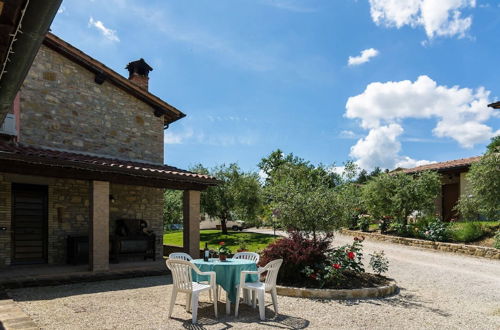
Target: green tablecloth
227	273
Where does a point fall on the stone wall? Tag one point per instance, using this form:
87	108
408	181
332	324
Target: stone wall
62	107
69	215
69	212
136	202
473	250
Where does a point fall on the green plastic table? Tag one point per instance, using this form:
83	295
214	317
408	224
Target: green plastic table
227	274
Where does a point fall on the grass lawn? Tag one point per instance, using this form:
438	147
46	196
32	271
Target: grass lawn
255	242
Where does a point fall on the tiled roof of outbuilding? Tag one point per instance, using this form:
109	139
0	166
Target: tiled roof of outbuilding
443	166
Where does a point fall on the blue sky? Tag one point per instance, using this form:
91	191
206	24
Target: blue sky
383	83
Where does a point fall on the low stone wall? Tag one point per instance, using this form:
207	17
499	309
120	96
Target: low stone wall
473	250
378	292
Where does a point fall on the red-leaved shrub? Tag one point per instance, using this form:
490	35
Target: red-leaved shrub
297	251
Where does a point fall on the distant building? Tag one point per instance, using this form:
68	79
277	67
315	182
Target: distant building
453	183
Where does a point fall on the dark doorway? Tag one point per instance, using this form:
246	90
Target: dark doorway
29	224
451	193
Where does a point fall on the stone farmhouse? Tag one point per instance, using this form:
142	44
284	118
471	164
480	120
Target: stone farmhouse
453	183
82	173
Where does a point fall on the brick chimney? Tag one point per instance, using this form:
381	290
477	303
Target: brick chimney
138	73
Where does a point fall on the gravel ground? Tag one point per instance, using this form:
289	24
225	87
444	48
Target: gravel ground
438	291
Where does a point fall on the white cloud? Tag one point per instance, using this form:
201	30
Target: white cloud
381	148
438	17
61	10
365	56
460	114
106	32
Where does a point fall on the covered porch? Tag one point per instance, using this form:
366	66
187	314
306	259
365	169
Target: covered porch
86	195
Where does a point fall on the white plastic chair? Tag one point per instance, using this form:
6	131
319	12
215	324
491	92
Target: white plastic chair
260	288
252	256
187	257
183	282
180	256
255	257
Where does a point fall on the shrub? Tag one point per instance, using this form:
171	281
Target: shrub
297	251
496	243
349	256
436	230
364	221
383	223
340	263
378	262
466	232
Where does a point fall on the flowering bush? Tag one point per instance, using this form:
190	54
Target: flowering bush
378	262
341	263
436	230
297	251
496	244
223	249
383	223
364	221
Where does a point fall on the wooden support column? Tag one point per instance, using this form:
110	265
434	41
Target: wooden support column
191	239
99	226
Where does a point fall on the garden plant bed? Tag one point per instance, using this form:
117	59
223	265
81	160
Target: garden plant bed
385	287
473	250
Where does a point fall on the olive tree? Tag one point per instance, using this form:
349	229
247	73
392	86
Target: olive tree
398	194
236	197
172	208
302	196
483	195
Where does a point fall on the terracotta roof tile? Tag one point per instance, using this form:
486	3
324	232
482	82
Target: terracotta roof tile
441	166
37	155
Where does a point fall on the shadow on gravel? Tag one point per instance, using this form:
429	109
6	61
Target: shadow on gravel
400	299
247	315
66	290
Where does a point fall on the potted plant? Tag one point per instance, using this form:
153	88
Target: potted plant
223	251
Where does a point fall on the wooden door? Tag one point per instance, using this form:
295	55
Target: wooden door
451	192
29	224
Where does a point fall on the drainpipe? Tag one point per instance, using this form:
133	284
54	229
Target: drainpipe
32	29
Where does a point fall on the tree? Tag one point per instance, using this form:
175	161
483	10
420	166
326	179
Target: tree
348	194
483	195
172	208
237	196
494	145
398	194
302	197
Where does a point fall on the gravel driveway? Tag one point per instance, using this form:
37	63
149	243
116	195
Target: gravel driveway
438	291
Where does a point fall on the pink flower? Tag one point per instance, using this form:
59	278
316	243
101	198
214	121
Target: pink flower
221	243
351	255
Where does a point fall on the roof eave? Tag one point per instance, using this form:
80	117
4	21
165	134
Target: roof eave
169	112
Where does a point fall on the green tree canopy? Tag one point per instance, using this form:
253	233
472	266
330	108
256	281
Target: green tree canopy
172	208
483	193
301	194
398	194
237	197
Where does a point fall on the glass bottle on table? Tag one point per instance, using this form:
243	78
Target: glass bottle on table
206	253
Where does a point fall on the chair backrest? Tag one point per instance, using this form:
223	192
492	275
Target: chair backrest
255	257
180	256
181	273
272	269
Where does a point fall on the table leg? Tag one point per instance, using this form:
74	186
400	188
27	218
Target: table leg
228	304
